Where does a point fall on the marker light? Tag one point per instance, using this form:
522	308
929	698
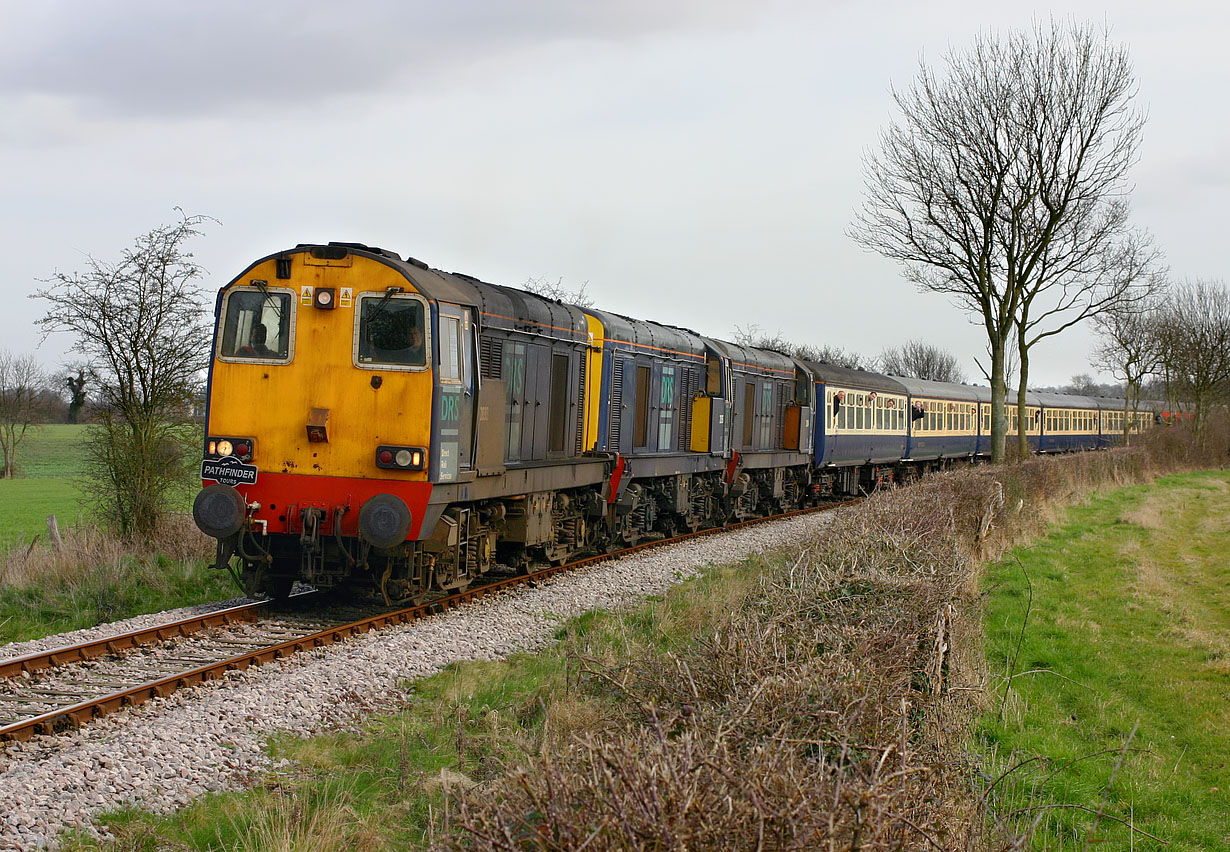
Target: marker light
241	448
401	458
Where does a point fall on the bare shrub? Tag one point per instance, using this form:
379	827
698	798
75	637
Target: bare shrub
798	720
22	384
141	327
825	706
1181	446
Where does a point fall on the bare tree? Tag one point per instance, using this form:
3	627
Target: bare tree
834	355
982	187
21	403
1130	349
557	291
754	335
921	360
141	327
1194	336
1083	384
1096	266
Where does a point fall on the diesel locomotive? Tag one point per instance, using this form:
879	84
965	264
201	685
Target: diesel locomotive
372	422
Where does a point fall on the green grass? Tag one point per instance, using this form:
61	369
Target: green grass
1124	658
53	450
96	593
26	503
48	463
97	578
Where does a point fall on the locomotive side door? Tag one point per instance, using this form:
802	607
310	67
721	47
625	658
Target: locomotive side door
457	377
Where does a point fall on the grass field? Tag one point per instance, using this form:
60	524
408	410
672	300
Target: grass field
26	503
48	463
1120	671
54	450
97	577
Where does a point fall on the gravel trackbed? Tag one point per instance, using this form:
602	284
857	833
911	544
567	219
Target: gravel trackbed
211	737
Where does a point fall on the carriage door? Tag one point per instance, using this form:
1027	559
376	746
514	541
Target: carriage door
457	377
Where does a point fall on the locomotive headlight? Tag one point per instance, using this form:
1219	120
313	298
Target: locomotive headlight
241	448
403	458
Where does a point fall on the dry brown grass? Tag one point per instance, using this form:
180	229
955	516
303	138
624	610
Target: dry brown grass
823	708
86	547
806	714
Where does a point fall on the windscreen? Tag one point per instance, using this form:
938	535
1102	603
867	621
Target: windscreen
256	325
391	331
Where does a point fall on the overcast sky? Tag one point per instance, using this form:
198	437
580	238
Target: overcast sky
694	162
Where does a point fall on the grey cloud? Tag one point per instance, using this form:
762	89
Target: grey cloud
156	58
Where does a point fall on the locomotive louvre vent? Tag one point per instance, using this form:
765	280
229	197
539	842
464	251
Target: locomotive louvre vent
781	415
617	403
491	357
687	389
580	442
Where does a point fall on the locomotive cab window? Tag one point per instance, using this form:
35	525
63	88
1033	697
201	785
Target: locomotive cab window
392	331
256	325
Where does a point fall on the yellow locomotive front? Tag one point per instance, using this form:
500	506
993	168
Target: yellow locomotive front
319	420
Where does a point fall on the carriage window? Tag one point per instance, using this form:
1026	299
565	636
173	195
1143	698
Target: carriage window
391	331
802	387
256	325
713	376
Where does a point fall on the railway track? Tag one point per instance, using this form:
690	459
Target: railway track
53	691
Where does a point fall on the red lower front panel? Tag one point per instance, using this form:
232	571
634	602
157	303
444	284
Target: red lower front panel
284	496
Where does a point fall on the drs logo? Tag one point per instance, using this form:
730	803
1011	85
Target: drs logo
450	408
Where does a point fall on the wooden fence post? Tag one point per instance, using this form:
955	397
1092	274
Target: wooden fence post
53	533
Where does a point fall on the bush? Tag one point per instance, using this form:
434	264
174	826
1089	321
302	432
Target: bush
830	706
